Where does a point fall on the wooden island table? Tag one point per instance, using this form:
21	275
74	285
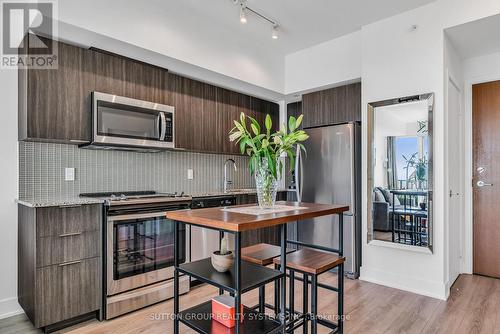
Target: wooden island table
244	276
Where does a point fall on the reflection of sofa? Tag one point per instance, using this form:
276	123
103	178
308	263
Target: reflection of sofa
382	209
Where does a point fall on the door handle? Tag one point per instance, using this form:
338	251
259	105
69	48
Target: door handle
163	126
481	184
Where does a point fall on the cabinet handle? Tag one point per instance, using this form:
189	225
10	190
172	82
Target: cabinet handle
69	234
79	141
69	263
70	206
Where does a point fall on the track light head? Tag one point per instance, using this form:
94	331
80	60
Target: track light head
243	14
275	32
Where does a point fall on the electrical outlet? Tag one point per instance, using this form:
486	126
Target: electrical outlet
190	174
69	174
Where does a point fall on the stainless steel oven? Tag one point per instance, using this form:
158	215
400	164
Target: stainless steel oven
122	122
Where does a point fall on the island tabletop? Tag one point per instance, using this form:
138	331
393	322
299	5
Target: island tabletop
229	219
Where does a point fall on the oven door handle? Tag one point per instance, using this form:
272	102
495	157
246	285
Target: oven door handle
163	126
160	214
137	216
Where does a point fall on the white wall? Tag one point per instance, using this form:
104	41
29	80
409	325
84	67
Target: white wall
398	61
335	61
8	182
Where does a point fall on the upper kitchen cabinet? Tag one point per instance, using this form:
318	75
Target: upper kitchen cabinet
196	123
332	106
126	77
228	110
229	107
55	104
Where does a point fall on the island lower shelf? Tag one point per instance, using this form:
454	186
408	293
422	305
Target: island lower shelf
252	276
199	318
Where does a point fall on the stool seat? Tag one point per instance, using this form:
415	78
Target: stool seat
311	261
262	254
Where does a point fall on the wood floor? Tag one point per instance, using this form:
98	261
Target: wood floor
473	307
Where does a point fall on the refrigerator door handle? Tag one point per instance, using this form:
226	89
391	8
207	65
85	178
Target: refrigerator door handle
298	170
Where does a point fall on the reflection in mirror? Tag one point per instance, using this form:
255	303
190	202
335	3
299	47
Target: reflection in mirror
400	180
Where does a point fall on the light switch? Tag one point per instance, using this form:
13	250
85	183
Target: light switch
69	174
190	174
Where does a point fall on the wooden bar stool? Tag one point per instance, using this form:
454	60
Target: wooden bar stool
263	254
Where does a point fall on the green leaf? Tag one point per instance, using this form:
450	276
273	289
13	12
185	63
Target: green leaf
254	129
269	123
291	124
243	144
299	121
234	136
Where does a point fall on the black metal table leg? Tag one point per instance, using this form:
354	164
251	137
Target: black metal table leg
276	295
340	304
314	304
237	269
176	277
262	299
340	294
283	279
221	236
291	291
305	299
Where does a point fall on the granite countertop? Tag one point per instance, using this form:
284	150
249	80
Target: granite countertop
42	203
33	203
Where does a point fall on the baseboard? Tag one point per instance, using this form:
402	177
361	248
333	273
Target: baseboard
419	286
9	307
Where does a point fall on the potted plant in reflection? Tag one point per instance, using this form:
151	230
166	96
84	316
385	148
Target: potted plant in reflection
264	149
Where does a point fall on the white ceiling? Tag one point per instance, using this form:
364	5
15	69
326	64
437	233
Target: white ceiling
477	38
304	23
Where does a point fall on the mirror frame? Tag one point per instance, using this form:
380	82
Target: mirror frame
429	97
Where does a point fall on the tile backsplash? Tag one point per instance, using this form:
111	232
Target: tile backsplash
41	171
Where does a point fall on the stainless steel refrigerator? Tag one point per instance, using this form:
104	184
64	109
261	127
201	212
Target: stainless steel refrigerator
329	173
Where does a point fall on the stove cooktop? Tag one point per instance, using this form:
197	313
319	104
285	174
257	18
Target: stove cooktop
133	197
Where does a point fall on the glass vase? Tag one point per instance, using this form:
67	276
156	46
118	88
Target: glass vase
267	185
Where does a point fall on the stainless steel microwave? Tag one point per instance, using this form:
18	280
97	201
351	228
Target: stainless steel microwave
125	123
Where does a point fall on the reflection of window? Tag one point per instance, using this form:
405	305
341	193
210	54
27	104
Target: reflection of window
411	162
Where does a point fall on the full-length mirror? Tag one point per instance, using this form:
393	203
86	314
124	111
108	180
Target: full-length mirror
400	170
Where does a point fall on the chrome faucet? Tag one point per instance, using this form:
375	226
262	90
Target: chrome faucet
226	180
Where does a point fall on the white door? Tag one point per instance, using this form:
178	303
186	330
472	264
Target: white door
455	173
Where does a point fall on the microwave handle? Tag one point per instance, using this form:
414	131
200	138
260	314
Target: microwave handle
163	126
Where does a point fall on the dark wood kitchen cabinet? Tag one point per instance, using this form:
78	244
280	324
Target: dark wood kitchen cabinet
196	123
59	263
332	106
55	104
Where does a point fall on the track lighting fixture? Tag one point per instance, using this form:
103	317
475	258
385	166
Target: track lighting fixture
244	10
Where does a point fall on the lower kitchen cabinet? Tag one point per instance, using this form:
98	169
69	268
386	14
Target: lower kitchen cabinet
59	268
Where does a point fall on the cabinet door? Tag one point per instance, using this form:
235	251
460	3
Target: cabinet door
66	291
58	102
312	109
110	74
228	110
332	106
